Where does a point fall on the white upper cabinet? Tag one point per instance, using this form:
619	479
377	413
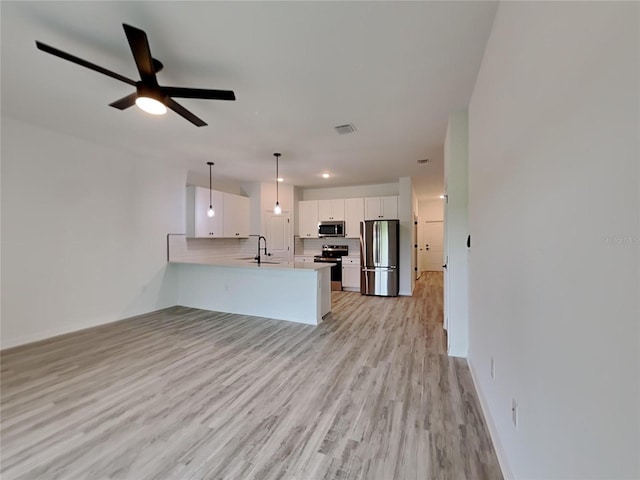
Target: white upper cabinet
308	219
198	223
330	210
231	217
381	208
354	214
236	216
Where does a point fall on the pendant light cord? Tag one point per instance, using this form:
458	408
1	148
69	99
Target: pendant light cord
277	186
210	185
211	164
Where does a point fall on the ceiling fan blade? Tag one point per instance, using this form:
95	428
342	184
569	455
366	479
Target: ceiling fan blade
125	102
84	63
183	112
199	93
141	53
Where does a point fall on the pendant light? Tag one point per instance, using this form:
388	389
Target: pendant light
211	212
276	209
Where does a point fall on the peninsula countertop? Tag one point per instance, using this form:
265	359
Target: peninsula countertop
252	264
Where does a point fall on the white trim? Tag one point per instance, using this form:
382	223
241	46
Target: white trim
493	432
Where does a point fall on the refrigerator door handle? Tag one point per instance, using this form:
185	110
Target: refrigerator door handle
376	243
379	269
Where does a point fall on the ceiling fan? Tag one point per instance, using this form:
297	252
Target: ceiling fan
149	95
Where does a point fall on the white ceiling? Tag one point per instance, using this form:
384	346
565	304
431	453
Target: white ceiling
393	69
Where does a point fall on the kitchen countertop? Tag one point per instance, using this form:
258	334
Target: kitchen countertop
228	262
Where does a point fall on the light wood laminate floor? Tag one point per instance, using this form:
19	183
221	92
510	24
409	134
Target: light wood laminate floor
190	394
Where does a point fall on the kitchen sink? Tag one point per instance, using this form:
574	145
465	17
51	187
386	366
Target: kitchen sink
265	261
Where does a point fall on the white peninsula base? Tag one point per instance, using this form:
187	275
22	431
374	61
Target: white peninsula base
295	292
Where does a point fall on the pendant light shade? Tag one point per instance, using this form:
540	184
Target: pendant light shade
211	212
276	209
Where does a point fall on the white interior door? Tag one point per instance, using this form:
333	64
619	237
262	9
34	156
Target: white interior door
433	246
430	246
279	236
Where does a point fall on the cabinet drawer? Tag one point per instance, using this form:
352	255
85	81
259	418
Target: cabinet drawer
303	259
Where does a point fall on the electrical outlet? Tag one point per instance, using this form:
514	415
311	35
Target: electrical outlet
493	369
514	413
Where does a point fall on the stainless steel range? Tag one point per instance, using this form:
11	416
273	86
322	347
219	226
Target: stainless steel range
333	254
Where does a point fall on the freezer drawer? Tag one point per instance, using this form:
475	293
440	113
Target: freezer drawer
379	281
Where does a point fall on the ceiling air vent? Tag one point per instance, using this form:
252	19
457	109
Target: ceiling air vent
345	129
422	161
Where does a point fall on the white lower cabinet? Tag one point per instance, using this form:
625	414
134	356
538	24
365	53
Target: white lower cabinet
303	259
351	273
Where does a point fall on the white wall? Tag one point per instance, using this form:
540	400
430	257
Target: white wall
379	190
263	199
83	233
431	210
456	230
554	217
405	215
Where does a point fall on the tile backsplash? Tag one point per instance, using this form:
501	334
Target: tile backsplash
184	249
313	246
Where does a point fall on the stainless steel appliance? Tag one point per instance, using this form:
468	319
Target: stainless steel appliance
379	257
333	254
334	228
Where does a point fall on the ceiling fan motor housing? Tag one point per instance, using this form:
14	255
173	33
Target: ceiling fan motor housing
150	92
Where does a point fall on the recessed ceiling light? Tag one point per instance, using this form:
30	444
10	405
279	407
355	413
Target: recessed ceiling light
325	175
441	196
280	179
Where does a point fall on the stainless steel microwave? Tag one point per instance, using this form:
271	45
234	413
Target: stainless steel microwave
331	229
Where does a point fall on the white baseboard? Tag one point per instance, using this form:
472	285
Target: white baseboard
350	289
493	433
54	332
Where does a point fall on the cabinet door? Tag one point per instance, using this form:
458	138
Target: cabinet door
351	272
236	216
354	214
389	208
372	208
337	209
324	210
199	224
308	219
330	209
351	277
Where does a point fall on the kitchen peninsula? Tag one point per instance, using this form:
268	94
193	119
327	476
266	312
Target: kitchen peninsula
297	292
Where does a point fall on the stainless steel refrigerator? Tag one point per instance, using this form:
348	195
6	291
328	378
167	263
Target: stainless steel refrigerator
379	254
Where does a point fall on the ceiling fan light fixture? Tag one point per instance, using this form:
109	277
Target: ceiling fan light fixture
150	100
151	105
